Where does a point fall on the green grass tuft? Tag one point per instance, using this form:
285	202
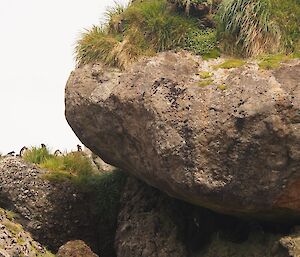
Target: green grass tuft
246	27
287	15
142	29
230	63
37	155
73	166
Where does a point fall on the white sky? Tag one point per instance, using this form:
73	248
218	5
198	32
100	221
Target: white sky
37	39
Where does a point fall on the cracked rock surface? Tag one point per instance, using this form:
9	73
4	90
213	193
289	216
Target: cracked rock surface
232	146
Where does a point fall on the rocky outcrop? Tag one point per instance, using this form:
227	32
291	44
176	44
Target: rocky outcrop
151	224
76	248
145	226
231	146
14	241
53	213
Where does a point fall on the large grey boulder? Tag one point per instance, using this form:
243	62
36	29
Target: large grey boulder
232	146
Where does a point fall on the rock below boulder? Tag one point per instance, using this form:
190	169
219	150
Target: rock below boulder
151	224
76	248
232	146
146	226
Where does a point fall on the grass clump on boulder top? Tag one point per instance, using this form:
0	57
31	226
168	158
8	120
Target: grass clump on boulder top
253	27
142	29
238	27
246	27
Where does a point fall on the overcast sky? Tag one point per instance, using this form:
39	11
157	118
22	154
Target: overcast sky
36	57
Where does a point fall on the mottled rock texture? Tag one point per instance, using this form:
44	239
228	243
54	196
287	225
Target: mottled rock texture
53	213
14	241
147	225
76	248
152	224
232	146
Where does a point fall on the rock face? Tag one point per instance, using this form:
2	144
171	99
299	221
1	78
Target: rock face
145	225
52	212
76	248
14	241
151	224
232	146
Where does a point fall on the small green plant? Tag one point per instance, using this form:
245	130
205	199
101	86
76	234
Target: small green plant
230	63
201	42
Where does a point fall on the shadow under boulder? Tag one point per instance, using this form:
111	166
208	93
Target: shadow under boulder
152	224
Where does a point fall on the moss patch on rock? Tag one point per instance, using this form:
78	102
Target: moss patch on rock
230	63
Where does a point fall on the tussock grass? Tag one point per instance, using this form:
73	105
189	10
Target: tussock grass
246	26
141	29
163	29
287	15
73	166
37	155
144	27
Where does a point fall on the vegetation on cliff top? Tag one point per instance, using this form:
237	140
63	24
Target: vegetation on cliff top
238	27
104	188
142	29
